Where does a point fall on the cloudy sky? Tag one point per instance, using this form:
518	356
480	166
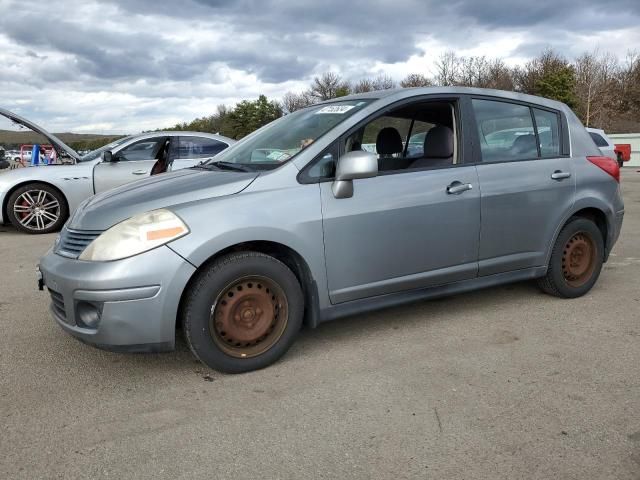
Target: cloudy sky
130	65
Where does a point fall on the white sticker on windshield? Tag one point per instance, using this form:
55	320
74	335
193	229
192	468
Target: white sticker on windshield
339	109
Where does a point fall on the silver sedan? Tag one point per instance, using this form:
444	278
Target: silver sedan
40	199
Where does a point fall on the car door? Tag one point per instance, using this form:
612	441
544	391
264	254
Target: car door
527	182
193	149
133	162
404	229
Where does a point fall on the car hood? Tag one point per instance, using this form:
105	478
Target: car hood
162	191
53	140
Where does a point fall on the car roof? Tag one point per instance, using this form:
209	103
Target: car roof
401	93
183	133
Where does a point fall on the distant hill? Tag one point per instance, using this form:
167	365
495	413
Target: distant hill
11	139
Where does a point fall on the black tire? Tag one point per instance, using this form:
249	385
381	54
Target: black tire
563	278
203	301
54	205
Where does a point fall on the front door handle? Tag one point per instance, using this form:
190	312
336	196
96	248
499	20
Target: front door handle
456	188
139	172
560	175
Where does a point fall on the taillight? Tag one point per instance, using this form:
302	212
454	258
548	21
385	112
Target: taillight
607	164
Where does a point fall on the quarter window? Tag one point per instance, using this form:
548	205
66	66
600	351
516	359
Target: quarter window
600	142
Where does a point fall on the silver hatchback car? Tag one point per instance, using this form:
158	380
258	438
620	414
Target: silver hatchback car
334	210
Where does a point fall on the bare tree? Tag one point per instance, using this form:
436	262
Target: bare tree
415	80
292	101
383	82
447	69
500	75
327	86
363	85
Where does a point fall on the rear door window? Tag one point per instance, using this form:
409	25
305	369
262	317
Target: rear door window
199	147
506	131
509	131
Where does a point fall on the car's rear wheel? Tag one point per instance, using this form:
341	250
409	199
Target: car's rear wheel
242	312
576	260
37	208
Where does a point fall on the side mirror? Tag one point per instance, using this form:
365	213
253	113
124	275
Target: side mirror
107	156
352	166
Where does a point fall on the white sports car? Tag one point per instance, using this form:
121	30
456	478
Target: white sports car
40	199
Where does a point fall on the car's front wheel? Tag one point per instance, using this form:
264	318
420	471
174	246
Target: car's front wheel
37	208
242	312
576	260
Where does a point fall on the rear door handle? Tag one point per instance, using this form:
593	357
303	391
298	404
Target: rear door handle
560	175
139	172
456	188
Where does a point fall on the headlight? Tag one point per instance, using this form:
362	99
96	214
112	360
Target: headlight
136	235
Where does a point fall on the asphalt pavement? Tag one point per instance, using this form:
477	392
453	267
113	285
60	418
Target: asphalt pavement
502	383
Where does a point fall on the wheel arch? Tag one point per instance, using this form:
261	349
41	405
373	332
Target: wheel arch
9	192
594	211
287	255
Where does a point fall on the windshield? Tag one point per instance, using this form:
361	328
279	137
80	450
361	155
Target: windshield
282	139
93	154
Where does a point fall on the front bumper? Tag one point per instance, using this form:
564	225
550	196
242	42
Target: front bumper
2	220
135	299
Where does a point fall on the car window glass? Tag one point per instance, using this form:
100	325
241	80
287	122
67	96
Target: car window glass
143	150
373	129
600	142
413	136
548	132
282	139
199	147
325	167
506	131
415	148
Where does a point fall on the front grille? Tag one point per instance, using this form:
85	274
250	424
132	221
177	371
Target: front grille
57	304
73	242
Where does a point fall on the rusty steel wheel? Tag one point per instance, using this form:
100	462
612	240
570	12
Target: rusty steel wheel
578	259
249	316
242	311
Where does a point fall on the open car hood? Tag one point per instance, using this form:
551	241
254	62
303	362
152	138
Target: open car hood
53	140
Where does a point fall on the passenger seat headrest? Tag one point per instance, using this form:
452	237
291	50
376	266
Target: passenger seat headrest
388	141
524	144
438	142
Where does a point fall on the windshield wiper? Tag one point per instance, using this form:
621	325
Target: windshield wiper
228	166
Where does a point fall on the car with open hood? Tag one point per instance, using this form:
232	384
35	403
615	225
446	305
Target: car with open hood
40	199
299	223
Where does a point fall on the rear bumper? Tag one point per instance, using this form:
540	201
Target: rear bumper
135	300
617	227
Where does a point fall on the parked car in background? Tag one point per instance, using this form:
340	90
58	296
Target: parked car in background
40	199
620	153
244	248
